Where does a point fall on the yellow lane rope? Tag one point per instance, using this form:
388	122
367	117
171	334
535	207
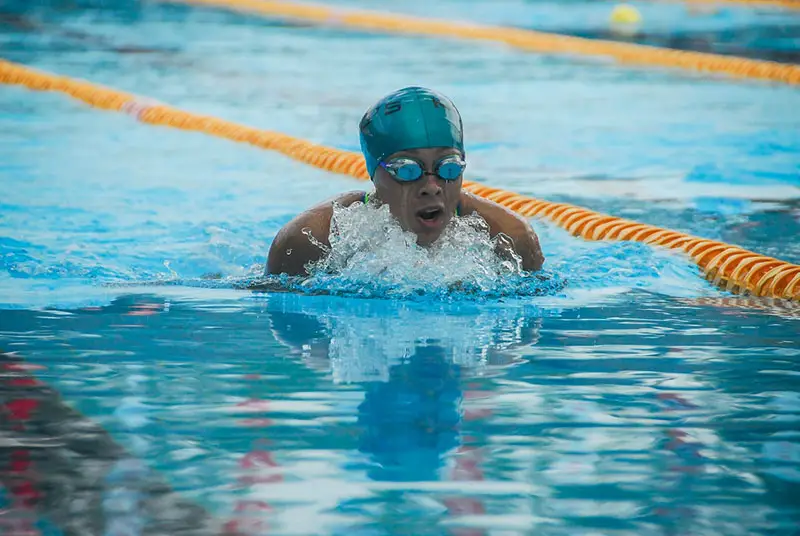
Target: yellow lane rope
732	268
530	40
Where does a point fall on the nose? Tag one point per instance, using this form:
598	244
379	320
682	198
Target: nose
430	186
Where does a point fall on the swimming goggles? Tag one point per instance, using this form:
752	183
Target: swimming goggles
406	169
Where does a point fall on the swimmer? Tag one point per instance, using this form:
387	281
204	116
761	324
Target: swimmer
413	143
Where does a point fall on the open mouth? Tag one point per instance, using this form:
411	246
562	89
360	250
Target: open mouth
430	216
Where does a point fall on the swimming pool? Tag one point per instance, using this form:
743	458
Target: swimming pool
636	399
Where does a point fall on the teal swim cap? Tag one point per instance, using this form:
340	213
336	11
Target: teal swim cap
409	118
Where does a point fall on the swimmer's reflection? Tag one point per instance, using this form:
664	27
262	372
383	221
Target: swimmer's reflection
414	362
361	340
411	419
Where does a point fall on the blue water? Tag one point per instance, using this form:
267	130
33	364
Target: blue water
143	386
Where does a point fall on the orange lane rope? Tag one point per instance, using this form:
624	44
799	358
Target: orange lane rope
732	268
550	43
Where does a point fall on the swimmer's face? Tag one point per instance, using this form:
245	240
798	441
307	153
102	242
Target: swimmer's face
424	206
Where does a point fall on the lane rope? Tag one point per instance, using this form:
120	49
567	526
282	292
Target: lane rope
732	268
530	40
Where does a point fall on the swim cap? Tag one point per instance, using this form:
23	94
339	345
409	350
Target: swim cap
409	118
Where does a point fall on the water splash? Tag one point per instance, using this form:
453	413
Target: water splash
370	255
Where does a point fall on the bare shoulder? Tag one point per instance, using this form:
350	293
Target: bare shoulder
509	223
298	242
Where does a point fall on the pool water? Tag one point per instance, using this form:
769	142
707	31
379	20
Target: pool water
144	390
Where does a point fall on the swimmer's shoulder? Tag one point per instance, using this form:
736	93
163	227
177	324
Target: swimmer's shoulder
511	224
292	248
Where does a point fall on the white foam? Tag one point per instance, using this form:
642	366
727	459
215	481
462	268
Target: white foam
369	248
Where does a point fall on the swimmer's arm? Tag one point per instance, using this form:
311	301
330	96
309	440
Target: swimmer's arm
292	249
515	227
526	244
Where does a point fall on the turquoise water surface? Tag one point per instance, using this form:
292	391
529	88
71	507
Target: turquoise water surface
144	390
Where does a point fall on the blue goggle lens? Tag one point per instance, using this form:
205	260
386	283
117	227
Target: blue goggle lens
451	169
407	170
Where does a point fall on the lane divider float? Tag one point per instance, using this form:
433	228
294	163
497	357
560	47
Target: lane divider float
529	40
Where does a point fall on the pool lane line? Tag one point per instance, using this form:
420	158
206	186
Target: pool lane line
529	40
729	267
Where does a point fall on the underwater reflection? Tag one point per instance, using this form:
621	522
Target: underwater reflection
300	410
363	340
416	363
